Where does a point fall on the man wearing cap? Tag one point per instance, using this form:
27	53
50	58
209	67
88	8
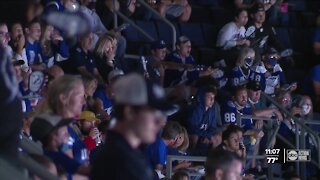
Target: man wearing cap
182	55
86	128
262	35
136	104
52	131
271	73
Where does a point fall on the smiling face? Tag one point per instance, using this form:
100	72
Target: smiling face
241	97
34	31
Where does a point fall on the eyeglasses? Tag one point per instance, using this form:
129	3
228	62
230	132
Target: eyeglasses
5	34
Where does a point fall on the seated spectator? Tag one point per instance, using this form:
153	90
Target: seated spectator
182	143
179	9
66	98
86	128
104	54
83	59
52	131
33	47
254	95
157	152
182	56
232	35
53	47
242	73
306	108
17	43
222	164
204	122
98	28
232	140
263	35
270	73
90	85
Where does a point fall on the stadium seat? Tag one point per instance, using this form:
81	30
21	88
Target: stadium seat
221	16
301	39
201	15
165	32
194	32
131	34
150	28
210	33
297	5
308	19
283	36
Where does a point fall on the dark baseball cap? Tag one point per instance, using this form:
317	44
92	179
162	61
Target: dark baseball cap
254	85
44	124
271	51
158	45
257	8
182	40
134	89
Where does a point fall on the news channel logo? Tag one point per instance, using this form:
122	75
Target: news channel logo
301	155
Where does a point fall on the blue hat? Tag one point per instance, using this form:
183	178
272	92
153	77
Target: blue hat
158	44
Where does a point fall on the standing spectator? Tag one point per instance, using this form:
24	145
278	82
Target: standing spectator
205	121
83	59
232	34
222	164
33	47
136	102
53	47
182	56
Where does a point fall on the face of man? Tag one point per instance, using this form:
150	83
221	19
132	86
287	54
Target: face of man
254	95
209	99
86	41
184	49
241	97
144	125
159	54
242	18
34	31
4	35
233	142
234	172
61	136
259	17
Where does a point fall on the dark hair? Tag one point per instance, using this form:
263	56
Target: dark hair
118	110
220	159
103	126
171	130
210	89
87	79
237	12
237	89
231	129
34	21
180	174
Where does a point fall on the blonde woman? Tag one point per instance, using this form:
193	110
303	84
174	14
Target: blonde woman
104	53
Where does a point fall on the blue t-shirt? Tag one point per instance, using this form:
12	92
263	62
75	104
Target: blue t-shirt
229	114
101	94
175	77
156	153
33	52
65	162
78	147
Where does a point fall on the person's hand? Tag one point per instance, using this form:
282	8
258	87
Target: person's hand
56	37
94	133
258	134
279	115
259	124
248	177
184	164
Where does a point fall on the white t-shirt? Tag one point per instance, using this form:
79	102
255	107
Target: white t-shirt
229	34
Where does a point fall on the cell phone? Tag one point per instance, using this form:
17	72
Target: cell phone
122	27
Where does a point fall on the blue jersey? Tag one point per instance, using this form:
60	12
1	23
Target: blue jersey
238	77
176	77
269	81
33	52
156	153
229	113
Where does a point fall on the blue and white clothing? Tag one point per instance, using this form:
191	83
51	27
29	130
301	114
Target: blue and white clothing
239	77
33	52
60	52
269	81
80	58
156	153
230	110
100	93
176	77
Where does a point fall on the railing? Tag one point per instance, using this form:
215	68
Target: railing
300	141
141	2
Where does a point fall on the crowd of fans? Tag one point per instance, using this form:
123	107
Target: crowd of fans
103	117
